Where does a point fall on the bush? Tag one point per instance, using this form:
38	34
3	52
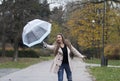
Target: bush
92	52
28	53
112	51
22	53
45	52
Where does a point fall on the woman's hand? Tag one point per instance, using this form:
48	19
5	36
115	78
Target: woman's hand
84	57
44	44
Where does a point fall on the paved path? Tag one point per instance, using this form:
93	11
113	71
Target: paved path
40	72
98	65
6	71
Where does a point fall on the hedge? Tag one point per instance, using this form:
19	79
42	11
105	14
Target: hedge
22	53
112	51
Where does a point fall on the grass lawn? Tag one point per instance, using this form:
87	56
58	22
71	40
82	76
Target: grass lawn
98	61
21	63
105	73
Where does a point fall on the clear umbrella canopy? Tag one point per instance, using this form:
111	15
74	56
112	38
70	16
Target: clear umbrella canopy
35	32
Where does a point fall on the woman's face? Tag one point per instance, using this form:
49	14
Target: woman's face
59	39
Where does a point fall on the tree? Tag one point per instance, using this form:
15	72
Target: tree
21	11
45	10
56	15
5	15
54	31
86	33
81	23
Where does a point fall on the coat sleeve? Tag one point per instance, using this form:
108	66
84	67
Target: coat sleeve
76	52
50	47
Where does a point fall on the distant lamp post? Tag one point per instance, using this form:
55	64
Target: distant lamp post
104	60
93	38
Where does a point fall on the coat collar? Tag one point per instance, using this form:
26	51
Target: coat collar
61	52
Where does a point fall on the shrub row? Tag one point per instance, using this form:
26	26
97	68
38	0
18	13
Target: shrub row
112	51
22	53
28	53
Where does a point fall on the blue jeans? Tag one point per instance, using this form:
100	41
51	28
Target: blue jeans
67	70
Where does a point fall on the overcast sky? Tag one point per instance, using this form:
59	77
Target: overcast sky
56	3
0	1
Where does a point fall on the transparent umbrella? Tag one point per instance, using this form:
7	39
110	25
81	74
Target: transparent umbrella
35	32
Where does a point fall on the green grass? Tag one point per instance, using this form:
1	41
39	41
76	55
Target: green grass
98	61
105	73
93	61
114	62
22	62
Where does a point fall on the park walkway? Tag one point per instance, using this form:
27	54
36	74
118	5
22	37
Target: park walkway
40	72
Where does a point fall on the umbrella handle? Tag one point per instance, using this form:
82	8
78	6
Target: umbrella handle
44	44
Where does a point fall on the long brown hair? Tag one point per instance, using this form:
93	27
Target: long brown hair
65	41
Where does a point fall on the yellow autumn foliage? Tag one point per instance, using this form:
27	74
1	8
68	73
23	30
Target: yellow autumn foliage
87	33
112	51
54	31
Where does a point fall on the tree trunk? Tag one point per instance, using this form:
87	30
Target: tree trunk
3	41
3	37
15	57
3	34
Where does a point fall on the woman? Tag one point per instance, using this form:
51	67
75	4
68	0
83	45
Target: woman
62	61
